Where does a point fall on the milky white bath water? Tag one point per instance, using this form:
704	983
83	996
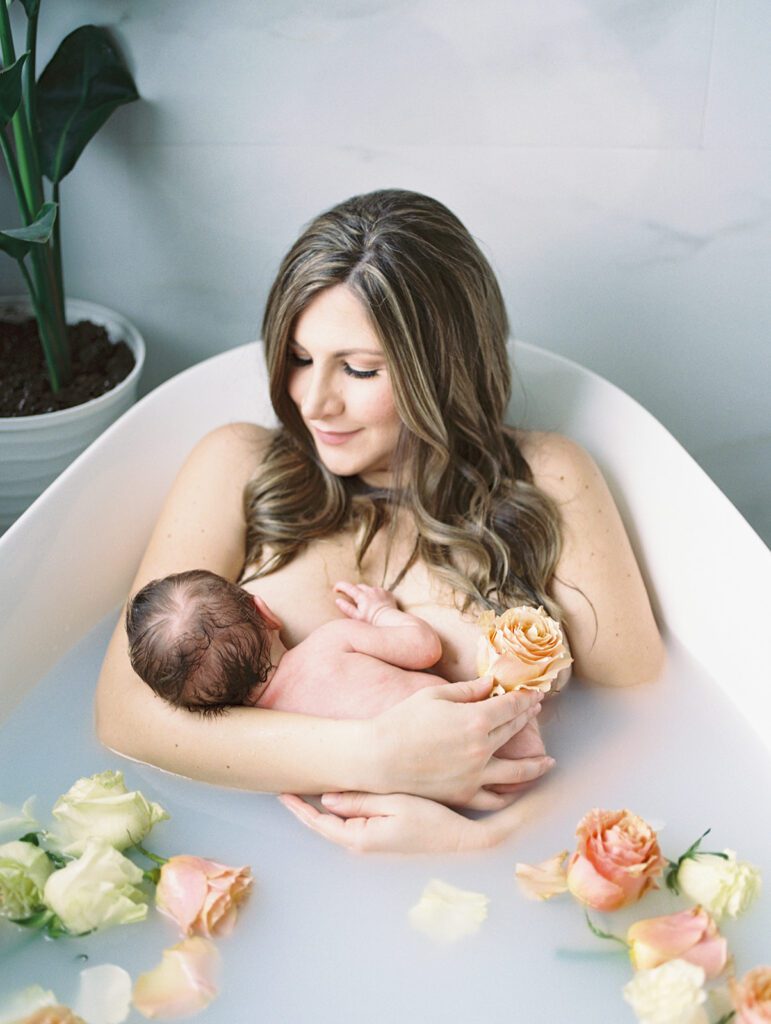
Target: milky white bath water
325	936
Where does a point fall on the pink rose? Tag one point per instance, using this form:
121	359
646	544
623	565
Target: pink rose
521	649
752	997
616	861
690	935
201	895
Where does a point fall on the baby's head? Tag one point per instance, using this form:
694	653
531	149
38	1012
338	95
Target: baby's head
199	641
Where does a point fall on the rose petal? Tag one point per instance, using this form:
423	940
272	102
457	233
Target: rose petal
105	994
544	880
689	935
446	913
588	886
182	984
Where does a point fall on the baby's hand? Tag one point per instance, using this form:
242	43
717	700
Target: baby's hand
363	602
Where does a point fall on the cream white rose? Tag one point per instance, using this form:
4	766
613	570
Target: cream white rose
720	885
670	994
521	649
100	807
24	869
98	890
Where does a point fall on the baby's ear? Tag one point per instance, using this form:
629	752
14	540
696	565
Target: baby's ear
272	620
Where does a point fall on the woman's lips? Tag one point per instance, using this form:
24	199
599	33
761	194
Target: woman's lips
333	436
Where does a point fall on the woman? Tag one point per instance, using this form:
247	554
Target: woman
385	338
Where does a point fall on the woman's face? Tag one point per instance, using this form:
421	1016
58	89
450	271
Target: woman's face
339	382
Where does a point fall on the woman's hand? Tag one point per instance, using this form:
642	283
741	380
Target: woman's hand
440	743
398	823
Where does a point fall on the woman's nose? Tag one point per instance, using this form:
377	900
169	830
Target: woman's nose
321	399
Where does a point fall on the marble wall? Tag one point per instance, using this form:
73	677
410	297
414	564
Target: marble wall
611	156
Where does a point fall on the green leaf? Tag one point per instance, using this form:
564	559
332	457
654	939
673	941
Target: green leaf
85	80
17	242
10	90
30	837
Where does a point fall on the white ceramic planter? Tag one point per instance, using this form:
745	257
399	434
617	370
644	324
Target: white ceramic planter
35	449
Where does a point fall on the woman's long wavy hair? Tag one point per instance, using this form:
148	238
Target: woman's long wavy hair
435	305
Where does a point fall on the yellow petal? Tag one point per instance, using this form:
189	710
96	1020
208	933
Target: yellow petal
446	913
544	880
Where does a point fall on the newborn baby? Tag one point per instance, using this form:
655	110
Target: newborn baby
205	644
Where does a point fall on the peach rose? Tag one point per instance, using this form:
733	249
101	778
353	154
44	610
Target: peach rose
201	895
53	1015
690	935
752	997
521	649
616	861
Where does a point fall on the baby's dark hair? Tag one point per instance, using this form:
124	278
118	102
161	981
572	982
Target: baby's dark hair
198	640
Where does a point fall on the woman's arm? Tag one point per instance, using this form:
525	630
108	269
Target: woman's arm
442	747
613	636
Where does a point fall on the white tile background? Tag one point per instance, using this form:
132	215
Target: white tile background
612	157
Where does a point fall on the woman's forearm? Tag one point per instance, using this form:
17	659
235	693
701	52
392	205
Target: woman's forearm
246	748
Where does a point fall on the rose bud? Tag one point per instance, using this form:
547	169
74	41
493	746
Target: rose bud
721	884
521	649
752	997
690	935
98	890
617	859
201	895
100	807
24	869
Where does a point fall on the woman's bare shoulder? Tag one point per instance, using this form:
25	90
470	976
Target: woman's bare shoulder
242	441
560	466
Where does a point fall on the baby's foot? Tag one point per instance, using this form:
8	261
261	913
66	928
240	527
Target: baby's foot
363	602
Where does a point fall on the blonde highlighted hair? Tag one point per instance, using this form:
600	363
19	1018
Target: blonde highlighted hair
436	307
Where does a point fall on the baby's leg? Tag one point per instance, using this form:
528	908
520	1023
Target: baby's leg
526	743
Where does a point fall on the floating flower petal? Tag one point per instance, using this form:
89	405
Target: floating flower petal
105	994
446	913
182	984
544	880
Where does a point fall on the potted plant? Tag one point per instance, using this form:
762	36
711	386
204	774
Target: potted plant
63	381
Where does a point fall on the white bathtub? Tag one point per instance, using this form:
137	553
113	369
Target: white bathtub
325	937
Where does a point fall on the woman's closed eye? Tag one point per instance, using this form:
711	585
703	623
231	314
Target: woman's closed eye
301	361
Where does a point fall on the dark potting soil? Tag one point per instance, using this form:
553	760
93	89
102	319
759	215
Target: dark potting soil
97	366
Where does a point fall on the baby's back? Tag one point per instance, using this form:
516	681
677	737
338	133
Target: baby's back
351	685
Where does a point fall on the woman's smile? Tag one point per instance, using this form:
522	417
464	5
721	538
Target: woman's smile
334	436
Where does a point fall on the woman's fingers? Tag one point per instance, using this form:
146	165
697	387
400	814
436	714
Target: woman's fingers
504	712
487	800
344	832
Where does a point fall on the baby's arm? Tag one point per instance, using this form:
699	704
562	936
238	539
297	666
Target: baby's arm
383	631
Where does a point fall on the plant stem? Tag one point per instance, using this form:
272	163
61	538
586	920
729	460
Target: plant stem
57	243
13	171
152	856
44	329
